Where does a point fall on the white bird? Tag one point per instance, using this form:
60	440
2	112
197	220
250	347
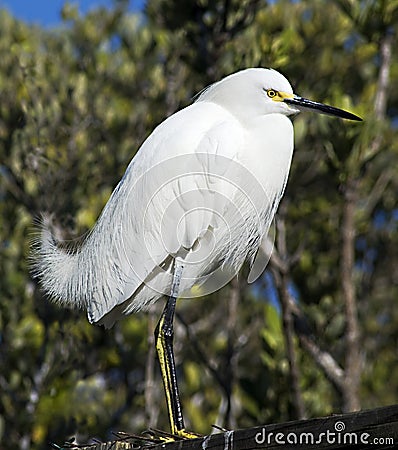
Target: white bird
194	203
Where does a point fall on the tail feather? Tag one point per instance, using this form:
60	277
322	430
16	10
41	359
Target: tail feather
58	269
96	275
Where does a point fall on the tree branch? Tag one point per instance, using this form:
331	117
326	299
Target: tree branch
282	282
322	358
151	407
352	355
353	358
380	104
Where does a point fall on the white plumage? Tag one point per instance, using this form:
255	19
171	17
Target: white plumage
203	187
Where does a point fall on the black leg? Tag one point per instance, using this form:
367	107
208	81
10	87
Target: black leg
164	345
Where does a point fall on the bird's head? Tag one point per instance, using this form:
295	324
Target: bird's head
253	92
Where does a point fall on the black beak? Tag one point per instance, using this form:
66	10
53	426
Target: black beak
308	105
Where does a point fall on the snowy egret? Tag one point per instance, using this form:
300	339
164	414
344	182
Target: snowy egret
194	203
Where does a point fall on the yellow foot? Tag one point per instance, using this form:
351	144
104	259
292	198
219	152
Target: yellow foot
178	435
184	434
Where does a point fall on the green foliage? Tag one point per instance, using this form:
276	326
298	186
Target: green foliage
77	102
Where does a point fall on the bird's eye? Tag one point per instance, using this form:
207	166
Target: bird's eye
271	93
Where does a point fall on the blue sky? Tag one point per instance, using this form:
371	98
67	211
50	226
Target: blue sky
47	12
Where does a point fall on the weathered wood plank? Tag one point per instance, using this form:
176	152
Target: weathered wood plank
375	429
